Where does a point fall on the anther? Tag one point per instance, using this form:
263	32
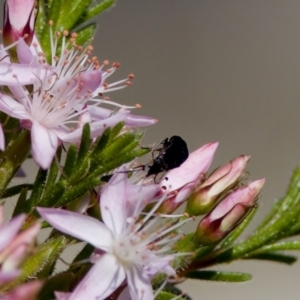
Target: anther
116	64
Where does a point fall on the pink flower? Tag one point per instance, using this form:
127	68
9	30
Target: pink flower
26	291
228	213
127	247
53	111
207	193
14	245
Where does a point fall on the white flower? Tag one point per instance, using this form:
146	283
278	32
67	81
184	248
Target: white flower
128	247
52	110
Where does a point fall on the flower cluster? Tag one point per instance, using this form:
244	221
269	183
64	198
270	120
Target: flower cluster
64	93
134	245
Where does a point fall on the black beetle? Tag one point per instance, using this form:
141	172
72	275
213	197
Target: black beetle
171	155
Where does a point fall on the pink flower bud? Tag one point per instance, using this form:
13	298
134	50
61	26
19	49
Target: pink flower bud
206	195
180	182
19	19
26	291
15	253
216	225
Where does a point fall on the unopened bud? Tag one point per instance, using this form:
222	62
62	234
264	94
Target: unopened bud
228	214
19	20
207	194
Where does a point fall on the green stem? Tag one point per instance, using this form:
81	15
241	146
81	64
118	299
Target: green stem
12	158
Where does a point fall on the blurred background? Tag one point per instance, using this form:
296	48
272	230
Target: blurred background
224	71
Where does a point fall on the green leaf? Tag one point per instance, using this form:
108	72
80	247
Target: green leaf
52	174
271	214
14	190
116	130
38	189
85	34
70	162
10	125
97	9
203	251
76	191
41	259
59	282
84	144
13	157
101	143
219	276
286	245
21	203
70	12
274	257
188	243
81	171
117	162
54	13
42	17
163	295
116	146
52	200
280	214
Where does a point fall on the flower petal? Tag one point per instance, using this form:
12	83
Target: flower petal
25	291
100	113
139	283
197	163
13	108
113	203
17	250
159	264
44	144
8	231
62	295
139	121
25	55
19	12
21	74
97	128
77	225
102	280
7	276
139	195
